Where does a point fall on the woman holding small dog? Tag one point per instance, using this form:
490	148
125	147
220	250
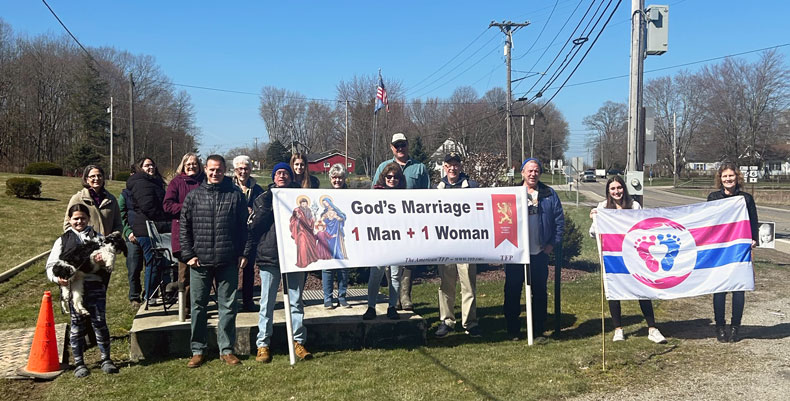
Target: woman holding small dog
95	293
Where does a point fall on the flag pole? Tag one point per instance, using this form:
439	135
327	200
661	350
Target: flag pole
372	146
603	328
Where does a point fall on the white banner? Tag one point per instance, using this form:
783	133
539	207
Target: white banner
337	228
676	252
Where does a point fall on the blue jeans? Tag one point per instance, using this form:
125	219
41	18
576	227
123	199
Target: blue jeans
375	280
153	266
327	282
270	281
200	279
95	301
134	266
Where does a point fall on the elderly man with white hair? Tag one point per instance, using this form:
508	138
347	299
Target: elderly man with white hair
242	167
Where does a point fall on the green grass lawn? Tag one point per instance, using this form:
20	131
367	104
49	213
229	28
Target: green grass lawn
456	367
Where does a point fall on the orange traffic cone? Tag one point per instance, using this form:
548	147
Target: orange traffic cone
43	361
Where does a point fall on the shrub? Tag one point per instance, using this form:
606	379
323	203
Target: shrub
122	176
44	168
571	241
23	187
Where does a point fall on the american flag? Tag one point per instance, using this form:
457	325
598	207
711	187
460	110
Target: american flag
381	96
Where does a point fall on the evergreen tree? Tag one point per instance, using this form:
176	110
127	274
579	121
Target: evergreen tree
276	153
417	152
90	100
81	156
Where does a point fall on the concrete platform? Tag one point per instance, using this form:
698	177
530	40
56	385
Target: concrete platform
156	334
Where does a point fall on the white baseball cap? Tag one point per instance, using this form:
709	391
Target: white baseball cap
398	137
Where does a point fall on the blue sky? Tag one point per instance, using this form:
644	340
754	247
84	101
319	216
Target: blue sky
310	46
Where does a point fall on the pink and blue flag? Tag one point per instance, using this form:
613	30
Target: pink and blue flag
676	252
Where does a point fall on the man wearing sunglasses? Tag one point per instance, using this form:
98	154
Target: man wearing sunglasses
417	177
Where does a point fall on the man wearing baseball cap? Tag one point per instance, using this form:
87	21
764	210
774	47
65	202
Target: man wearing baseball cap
417	177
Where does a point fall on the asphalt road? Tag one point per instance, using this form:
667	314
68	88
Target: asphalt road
660	197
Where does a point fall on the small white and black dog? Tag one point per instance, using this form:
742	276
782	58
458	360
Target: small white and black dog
74	265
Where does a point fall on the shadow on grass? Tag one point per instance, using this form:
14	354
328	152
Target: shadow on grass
479	390
698	329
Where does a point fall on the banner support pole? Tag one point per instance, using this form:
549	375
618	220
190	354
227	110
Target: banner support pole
288	326
603	328
528	295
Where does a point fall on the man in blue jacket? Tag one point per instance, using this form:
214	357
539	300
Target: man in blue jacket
546	225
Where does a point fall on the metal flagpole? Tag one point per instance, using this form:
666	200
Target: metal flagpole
372	145
288	325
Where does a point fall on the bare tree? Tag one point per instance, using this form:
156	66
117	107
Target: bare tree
679	101
608	125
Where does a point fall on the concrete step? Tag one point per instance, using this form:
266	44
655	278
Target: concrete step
156	334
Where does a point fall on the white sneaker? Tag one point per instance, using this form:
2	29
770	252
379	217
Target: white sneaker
618	335
655	336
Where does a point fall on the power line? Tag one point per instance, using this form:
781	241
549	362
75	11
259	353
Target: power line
453	69
449	61
570	37
578	43
679	65
585	54
546	49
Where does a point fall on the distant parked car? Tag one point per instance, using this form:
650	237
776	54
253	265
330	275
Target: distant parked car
589	177
615	171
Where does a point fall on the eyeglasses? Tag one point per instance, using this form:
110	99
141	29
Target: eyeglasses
95	177
282	173
400	145
391	177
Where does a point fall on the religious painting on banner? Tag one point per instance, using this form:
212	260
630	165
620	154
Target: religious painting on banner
320	229
676	252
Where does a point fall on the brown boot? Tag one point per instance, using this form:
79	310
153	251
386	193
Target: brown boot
230	359
196	361
264	355
302	352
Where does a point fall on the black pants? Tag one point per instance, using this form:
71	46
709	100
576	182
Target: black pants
514	283
720	299
644	304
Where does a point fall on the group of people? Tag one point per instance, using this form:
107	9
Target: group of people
222	226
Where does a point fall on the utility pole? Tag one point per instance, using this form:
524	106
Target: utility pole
635	85
522	138
532	142
508	27
674	150
346	153
131	119
111	104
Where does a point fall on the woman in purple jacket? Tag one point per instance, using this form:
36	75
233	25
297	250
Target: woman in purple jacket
189	175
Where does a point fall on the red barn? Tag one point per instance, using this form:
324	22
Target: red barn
321	162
